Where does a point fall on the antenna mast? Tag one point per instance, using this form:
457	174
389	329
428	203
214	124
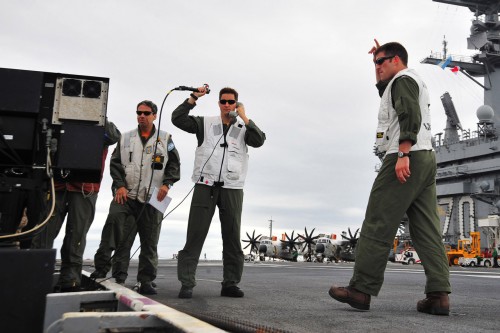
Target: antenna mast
271	227
445	49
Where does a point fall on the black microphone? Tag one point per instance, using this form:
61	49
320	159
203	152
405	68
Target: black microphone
185	88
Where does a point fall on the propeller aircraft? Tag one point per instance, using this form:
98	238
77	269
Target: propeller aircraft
285	248
313	248
333	249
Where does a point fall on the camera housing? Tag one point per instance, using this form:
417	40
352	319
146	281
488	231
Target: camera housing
47	115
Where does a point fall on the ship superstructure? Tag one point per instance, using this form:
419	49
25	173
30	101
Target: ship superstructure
468	173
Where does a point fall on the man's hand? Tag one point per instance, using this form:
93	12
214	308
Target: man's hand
403	164
162	192
121	195
374	48
403	169
372	51
201	92
240	109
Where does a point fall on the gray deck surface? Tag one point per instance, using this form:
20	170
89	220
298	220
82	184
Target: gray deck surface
293	297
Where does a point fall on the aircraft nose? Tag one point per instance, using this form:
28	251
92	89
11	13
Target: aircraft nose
262	248
320	248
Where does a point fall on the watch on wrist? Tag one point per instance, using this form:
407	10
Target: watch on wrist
401	154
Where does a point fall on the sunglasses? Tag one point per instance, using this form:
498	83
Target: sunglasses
228	101
381	60
146	113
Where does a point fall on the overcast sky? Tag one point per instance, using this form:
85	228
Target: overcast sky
302	70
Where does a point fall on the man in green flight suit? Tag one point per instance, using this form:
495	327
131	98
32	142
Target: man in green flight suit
144	160
405	184
75	202
220	167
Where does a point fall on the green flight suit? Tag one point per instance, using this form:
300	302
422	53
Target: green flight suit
205	199
80	210
76	201
230	204
124	222
390	200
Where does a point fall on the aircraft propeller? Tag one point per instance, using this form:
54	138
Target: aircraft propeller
291	242
308	242
347	253
253	241
353	240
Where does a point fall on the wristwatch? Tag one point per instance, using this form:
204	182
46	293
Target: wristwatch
401	154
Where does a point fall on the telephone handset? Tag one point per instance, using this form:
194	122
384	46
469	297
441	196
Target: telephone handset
234	114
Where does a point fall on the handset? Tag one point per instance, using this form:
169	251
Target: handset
234	114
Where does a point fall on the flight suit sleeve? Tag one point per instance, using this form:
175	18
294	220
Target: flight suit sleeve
116	169
173	167
191	124
254	137
111	133
405	99
381	85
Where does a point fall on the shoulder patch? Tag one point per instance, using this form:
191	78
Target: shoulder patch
170	146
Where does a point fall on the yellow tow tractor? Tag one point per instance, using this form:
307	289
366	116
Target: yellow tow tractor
466	248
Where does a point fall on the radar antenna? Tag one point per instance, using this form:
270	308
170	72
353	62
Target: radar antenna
452	121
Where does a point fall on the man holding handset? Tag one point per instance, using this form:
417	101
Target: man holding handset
220	167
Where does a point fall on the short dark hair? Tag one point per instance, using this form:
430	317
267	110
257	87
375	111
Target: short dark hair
228	90
393	49
152	105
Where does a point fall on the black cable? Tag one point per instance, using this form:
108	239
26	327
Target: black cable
201	173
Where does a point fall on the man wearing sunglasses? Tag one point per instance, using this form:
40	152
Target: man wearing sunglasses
220	167
405	184
144	160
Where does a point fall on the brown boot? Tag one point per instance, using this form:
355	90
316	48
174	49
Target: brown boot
436	303
351	296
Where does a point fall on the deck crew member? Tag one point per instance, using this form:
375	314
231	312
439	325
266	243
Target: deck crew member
145	159
405	184
76	202
220	168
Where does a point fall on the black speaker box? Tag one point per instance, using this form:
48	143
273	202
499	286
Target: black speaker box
80	150
25	280
20	91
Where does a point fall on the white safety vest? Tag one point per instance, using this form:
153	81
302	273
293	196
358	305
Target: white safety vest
387	139
222	164
137	161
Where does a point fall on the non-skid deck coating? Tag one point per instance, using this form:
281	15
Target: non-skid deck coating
294	297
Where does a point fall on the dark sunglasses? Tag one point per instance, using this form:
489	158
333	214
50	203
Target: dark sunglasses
381	60
228	101
146	113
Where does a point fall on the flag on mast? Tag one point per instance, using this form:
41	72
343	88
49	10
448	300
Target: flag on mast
445	62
